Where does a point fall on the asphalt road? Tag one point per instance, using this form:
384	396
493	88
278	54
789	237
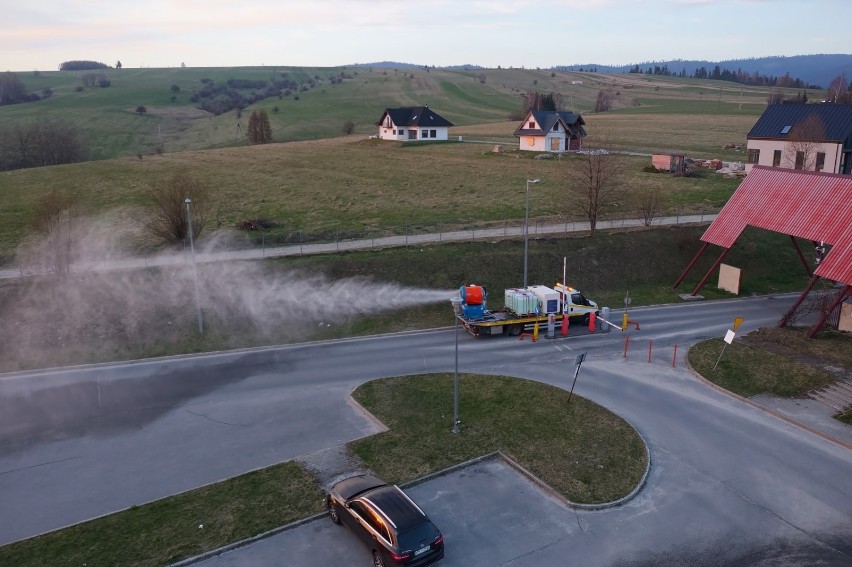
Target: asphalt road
728	484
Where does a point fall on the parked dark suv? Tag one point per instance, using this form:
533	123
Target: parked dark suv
394	528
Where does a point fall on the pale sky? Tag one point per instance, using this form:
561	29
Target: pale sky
41	34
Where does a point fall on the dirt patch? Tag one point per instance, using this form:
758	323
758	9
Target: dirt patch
826	351
177	112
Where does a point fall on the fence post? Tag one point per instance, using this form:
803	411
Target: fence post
674	357
650	349
301	250
626	342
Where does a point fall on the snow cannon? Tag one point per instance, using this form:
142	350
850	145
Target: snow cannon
473	301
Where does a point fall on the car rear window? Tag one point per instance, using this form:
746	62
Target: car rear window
411	539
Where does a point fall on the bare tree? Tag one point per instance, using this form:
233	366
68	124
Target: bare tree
603	102
259	130
168	220
838	90
593	178
348	127
649	205
45	141
55	219
804	142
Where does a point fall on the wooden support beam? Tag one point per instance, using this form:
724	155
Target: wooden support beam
789	314
710	271
841	297
691	265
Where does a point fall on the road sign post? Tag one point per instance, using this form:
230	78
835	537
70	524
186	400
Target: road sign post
578	361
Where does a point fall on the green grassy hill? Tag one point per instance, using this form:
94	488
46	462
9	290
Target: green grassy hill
316	179
113	128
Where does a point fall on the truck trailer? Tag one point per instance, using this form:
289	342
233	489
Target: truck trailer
522	309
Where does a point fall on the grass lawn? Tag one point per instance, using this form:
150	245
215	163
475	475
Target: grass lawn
778	361
580	449
181	526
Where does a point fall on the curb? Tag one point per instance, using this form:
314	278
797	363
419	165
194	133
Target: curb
495	455
767	410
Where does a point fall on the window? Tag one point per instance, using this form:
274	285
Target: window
434	133
394	132
424	134
776	158
531	124
820	161
800	160
754	156
556	127
401	132
786	129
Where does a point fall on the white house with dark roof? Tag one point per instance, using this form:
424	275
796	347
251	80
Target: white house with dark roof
413	123
810	137
551	131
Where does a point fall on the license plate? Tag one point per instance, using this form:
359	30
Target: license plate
422	550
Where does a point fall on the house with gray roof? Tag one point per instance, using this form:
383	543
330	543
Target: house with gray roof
809	137
413	123
551	131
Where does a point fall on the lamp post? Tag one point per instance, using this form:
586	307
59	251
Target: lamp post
456	301
188	202
527	228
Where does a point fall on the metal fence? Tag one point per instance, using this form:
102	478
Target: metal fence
257	242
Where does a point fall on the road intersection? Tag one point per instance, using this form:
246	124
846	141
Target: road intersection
727	480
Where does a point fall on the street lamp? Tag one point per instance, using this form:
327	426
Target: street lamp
456	301
188	202
527	228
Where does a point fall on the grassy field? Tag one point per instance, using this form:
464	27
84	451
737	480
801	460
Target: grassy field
113	128
314	180
778	361
580	449
342	184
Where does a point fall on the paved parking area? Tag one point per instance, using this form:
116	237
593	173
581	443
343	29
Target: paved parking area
489	513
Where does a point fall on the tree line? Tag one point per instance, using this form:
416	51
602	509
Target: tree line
719	74
83	65
44	141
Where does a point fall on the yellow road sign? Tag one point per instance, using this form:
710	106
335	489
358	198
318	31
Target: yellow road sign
738	321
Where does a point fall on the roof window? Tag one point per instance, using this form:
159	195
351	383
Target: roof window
786	129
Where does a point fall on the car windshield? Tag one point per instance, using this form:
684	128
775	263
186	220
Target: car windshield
417	537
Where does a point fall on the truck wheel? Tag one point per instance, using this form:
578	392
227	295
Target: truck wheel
586	320
515	330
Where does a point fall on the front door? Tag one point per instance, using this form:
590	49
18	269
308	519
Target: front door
555	145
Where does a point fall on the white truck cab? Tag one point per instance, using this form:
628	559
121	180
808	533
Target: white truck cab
575	304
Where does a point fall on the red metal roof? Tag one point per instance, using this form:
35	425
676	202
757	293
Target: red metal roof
804	204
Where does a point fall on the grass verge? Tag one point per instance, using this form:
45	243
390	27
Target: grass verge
582	450
170	529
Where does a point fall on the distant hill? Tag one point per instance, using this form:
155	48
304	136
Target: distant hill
813	69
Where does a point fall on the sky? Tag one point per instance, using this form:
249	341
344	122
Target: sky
39	35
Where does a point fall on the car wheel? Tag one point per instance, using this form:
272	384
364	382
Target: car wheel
332	511
377	560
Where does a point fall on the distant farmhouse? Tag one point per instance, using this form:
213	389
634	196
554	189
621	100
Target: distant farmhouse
412	123
810	137
551	131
